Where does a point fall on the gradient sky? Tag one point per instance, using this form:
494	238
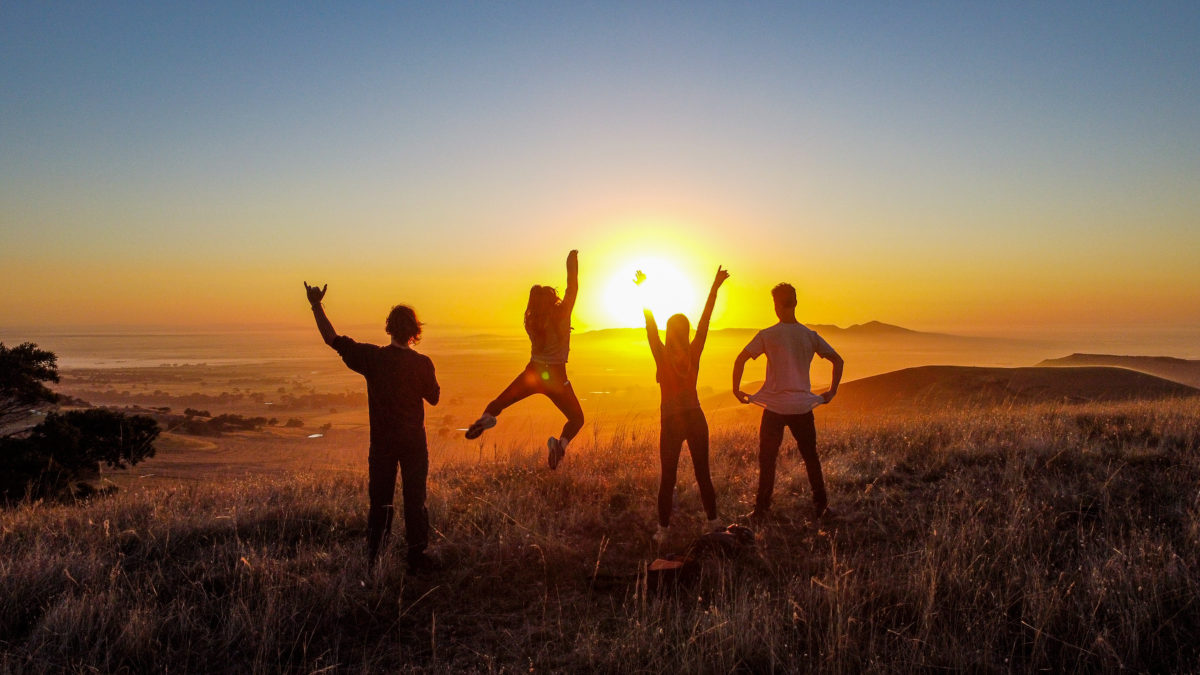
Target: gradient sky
967	166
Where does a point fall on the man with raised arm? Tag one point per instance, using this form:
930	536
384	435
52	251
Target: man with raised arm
786	397
398	381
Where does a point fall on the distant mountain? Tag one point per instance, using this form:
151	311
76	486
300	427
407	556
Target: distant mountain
1184	371
870	329
932	387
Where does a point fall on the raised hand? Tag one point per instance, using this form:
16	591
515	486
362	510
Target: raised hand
722	275
572	264
639	277
315	295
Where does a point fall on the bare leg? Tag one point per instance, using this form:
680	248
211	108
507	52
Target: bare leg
563	396
522	386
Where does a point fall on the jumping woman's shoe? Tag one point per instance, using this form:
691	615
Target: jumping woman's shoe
660	535
481	425
556	450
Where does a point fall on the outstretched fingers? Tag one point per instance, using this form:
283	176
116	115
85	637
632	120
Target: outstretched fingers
315	294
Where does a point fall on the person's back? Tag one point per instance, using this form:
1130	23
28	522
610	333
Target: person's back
790	348
551	341
676	371
677	386
399	380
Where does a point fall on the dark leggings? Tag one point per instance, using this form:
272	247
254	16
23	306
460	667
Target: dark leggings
679	426
548	379
413	463
770	437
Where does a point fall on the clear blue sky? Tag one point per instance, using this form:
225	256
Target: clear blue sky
933	164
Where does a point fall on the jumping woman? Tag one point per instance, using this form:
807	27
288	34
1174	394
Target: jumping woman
548	324
678	363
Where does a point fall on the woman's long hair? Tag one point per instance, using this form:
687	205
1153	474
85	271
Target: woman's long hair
677	348
542	302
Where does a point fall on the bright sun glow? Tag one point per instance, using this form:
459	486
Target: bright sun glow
666	291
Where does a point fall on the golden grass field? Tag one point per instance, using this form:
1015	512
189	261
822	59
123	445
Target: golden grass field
1044	537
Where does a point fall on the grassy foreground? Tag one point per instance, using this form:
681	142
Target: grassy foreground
1060	538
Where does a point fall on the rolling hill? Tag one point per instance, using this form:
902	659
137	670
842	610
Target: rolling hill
961	386
1184	371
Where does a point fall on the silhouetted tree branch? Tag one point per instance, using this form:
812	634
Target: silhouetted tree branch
23	369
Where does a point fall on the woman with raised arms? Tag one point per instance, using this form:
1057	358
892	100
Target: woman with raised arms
548	324
678	364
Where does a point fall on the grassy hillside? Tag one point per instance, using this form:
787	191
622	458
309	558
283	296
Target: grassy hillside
1185	371
1049	537
964	386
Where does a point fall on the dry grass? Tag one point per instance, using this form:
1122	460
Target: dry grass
1060	538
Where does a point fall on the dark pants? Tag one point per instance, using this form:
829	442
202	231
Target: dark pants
548	379
412	459
770	437
679	426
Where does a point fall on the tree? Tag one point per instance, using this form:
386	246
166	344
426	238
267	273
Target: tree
56	457
23	370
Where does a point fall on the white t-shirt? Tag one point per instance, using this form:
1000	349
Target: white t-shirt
789	348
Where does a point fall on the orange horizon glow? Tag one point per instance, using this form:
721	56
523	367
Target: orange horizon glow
485	288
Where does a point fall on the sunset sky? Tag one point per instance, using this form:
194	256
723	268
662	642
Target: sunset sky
980	167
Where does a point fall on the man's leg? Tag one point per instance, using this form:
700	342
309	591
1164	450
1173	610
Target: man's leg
770	435
414	472
804	429
381	490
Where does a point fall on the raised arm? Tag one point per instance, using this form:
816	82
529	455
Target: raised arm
652	336
739	366
568	301
315	295
702	327
656	345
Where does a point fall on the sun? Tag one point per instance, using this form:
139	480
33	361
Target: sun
666	291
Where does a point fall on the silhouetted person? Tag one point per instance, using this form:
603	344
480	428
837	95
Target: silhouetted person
786	396
548	324
678	364
398	379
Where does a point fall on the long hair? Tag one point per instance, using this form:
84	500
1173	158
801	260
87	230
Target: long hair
542	302
676	348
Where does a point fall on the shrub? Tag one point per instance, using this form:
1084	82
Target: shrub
67	449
